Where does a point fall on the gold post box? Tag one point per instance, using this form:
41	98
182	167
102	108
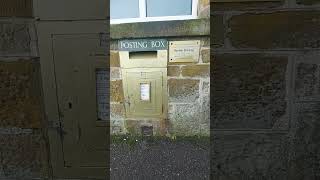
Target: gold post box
144	76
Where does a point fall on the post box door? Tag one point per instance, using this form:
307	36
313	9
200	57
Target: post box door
144	92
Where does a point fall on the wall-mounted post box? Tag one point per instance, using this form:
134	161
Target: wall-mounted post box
144	76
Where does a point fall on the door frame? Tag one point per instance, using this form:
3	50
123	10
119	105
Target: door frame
46	31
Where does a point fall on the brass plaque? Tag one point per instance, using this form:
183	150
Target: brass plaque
184	51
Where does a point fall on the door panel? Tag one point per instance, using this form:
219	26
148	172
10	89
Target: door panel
144	108
85	138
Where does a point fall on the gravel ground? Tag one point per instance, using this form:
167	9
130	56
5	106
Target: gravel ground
160	159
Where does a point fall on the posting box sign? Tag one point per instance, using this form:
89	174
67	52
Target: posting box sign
184	51
143	45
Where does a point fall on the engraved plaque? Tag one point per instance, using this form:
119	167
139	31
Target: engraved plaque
184	51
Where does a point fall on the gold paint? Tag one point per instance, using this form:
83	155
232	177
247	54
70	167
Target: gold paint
144	68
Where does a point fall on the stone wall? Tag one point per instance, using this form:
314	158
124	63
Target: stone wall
188	90
188	83
16	8
23	152
265	90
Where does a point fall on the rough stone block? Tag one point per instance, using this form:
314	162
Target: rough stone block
232	6
183	90
205	54
250	115
204	3
202	70
171	108
21	156
204	12
20	94
116	91
307	82
174	71
308	2
249	77
286	29
204	130
15	39
249	91
217	29
117	111
117	126
197	27
249	156
204	41
306	149
114	59
205	112
115	73
206	87
185	119
204	9
113	45
16	8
